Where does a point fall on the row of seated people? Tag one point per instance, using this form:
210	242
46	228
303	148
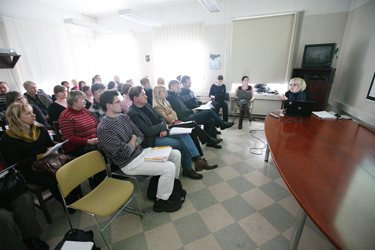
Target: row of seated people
122	138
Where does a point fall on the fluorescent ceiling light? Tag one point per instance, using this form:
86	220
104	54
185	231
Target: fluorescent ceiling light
86	25
137	17
210	5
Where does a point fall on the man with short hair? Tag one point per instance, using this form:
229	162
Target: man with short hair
96	110
145	82
120	139
208	117
153	126
4	88
38	99
119	84
160	81
187	95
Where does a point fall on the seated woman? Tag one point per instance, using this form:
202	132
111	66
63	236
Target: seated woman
20	211
25	142
126	102
17	97
243	103
81	84
217	94
58	106
163	107
78	125
89	99
297	92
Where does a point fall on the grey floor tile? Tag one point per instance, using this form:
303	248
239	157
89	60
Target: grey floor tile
191	228
270	171
240	184
281	219
211	178
274	191
217	161
233	237
202	199
154	219
243	154
243	167
135	242
277	243
238	207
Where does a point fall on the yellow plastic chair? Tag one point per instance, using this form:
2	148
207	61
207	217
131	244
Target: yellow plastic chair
237	109
109	196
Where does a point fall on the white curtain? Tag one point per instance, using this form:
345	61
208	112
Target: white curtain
178	50
115	54
45	54
51	54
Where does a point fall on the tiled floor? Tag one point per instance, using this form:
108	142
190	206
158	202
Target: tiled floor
243	204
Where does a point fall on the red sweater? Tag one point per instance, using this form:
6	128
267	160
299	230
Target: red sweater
78	126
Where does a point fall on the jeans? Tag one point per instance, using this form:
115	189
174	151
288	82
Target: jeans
224	106
184	144
208	118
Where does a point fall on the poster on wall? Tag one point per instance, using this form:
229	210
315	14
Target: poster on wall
371	91
214	61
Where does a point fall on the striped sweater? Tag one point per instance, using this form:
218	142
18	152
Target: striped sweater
114	135
78	126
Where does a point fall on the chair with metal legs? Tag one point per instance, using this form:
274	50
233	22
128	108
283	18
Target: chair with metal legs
117	173
110	195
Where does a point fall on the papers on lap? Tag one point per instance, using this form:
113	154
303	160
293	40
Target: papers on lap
205	106
158	154
54	149
180	131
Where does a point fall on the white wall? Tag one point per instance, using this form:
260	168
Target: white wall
356	65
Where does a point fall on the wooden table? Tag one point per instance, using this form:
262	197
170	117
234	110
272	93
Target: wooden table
329	167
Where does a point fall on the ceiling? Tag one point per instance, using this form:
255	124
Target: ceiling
97	8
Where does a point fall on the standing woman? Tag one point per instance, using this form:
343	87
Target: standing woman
17	97
58	106
25	142
243	103
218	90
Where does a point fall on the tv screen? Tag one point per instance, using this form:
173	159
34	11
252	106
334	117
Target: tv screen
318	55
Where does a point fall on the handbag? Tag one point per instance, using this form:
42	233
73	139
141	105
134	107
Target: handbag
12	184
50	164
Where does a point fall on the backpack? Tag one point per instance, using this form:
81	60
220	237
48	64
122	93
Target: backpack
178	193
78	235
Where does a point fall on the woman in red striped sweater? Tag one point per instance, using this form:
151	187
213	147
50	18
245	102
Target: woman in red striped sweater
78	125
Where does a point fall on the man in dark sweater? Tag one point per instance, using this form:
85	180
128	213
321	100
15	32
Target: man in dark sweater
145	82
37	99
208	117
153	126
3	92
120	139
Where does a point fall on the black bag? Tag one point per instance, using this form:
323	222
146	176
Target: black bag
178	193
12	184
78	235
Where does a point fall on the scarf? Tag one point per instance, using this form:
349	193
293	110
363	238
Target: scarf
35	133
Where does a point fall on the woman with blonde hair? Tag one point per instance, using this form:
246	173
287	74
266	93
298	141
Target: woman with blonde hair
162	106
297	92
25	142
17	97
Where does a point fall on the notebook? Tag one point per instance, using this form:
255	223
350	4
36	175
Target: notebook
300	108
242	94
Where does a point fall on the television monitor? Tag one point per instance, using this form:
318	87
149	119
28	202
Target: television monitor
318	55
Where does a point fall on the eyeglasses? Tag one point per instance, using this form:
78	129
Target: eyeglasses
116	102
19	99
293	84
